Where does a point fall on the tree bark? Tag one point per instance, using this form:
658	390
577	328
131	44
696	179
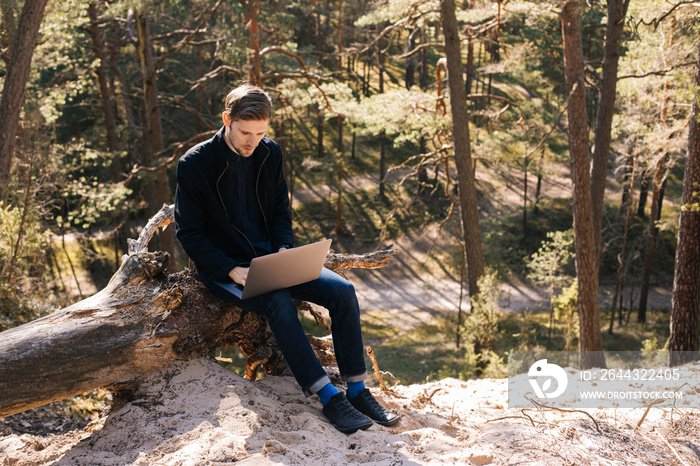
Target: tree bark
105	94
382	134
617	10
659	177
251	13
686	282
591	341
622	261
643	194
463	159
8	21
16	82
153	135
141	322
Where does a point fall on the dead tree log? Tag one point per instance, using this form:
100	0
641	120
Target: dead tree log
141	322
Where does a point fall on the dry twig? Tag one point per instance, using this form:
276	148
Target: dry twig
540	405
377	372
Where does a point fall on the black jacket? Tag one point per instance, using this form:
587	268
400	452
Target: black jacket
207	233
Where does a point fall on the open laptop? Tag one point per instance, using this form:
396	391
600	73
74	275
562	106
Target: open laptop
281	270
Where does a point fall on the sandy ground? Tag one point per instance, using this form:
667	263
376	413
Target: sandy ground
197	413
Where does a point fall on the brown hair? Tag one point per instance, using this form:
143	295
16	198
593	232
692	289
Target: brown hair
248	102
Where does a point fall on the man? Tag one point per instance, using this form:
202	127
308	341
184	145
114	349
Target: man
231	205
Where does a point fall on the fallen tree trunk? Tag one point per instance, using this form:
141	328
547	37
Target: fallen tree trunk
141	322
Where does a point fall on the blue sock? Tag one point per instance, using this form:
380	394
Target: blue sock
326	393
355	387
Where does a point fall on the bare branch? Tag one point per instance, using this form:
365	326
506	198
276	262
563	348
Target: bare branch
189	38
657	21
267	50
508	102
409	19
421	47
657	72
186	144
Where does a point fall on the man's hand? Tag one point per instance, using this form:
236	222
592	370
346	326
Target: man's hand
283	248
239	275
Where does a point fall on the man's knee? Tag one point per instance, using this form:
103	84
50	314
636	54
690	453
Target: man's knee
279	307
346	290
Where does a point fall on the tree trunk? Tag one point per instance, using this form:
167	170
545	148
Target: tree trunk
339	206
591	341
659	176
382	134
251	12
8	21
627	187
15	83
643	194
622	266
124	107
410	74
463	160
525	168
686	282
470	66
105	94
141	322
617	9
153	137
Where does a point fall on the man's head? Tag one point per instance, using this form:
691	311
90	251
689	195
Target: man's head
246	117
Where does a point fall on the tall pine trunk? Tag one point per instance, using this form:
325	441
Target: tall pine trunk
617	9
686	282
251	13
159	193
105	94
463	158
15	83
591	341
659	177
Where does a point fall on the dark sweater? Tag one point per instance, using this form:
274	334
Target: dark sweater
208	200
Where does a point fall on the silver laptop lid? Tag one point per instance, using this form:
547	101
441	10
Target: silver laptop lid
281	270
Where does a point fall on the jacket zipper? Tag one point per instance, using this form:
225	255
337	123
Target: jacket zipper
221	199
257	196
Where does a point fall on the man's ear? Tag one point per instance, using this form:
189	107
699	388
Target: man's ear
226	118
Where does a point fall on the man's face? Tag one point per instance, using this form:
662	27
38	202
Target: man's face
243	136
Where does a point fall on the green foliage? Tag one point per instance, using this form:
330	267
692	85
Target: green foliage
507	246
650	344
395	10
550	264
404	115
23	242
368	219
566	312
480	327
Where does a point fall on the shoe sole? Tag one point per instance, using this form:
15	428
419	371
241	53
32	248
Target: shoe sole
390	423
352	430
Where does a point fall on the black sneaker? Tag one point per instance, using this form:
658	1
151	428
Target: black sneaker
365	403
343	416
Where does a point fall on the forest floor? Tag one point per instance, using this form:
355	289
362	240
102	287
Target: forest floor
198	413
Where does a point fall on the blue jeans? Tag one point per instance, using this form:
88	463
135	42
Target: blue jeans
334	293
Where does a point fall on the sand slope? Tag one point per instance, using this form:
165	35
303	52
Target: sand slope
201	414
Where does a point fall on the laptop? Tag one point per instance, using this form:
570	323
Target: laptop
281	270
